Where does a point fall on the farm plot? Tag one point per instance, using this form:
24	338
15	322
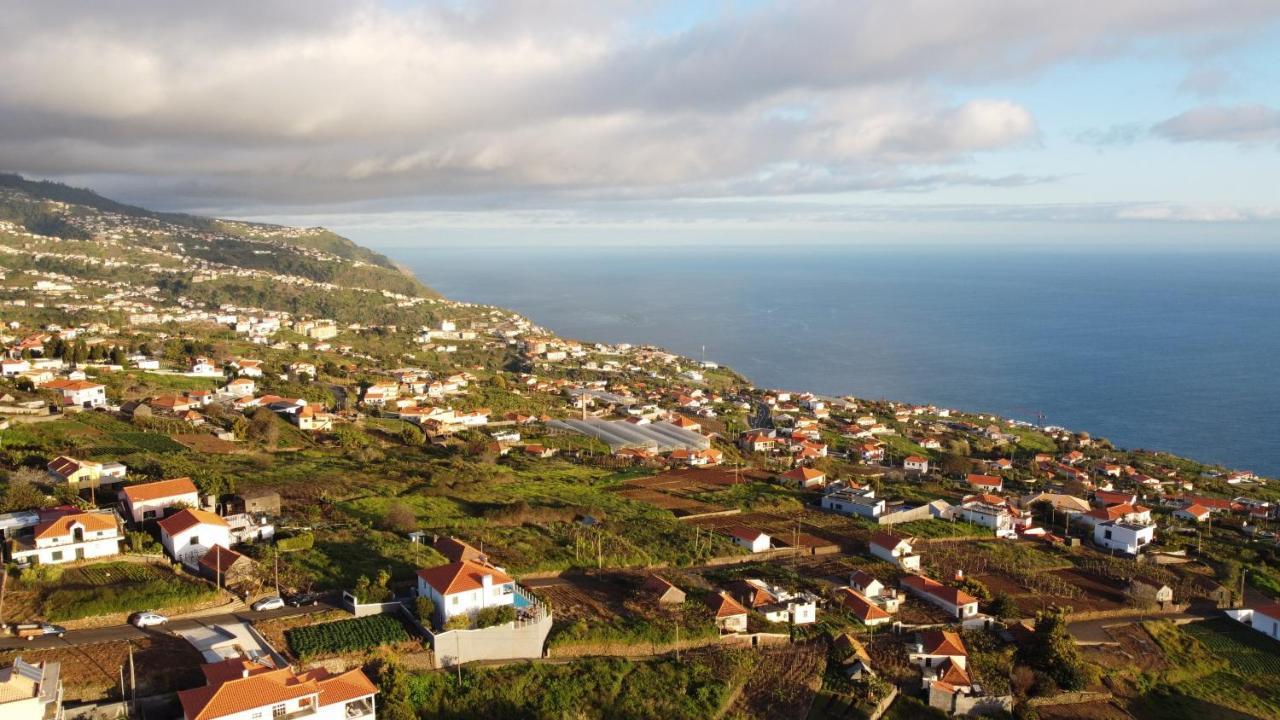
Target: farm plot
151	442
784	530
593	598
1094	592
206	443
783	682
345	636
92	672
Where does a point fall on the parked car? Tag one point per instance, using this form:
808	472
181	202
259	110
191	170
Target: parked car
301	599
268	603
147	619
31	631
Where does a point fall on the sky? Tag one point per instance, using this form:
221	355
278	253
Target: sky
714	121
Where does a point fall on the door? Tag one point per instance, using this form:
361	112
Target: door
79	553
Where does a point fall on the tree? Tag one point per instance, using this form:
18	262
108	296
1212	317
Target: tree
263	427
1053	651
425	607
20	491
1003	607
395	702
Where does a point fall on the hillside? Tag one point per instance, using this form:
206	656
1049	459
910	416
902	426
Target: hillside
314	270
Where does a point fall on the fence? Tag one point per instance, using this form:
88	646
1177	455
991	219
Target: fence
360	610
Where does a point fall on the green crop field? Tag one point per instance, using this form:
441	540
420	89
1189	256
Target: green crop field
345	636
153	442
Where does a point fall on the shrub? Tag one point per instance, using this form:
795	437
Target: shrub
425	608
490	616
458	622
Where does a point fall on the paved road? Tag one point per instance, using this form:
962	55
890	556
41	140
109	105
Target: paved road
119	633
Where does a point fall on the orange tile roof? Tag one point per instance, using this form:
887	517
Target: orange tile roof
862	608
188	519
219	559
725	606
455	550
233	695
888	540
158	490
61	526
952	595
461	576
984	480
1271	610
942	642
955	675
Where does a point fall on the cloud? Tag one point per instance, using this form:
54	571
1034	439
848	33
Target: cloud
1118	134
1243	124
502	102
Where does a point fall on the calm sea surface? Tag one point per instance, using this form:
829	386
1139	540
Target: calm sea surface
1177	351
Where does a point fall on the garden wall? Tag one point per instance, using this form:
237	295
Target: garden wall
512	641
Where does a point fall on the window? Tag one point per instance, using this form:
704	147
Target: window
195	539
55	555
148	514
257	715
1107	535
454	601
277	711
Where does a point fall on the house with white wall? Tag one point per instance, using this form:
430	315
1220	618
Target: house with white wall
80	393
188	534
956	602
31	691
69	535
240	689
149	501
464	588
895	549
749	538
1126	537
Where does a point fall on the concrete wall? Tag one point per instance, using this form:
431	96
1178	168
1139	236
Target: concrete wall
512	641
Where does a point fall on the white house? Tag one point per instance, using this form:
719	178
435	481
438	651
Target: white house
80	393
988	515
875	591
241	689
1193	512
31	691
148	501
751	539
240	387
203	366
915	463
730	616
1121	512
958	603
895	549
775	603
189	534
1266	620
69	536
14	368
73	471
1123	536
854	501
942	658
465	587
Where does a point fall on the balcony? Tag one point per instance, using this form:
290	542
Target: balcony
359	708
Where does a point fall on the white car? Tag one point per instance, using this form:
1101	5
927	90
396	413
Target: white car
148	619
269	603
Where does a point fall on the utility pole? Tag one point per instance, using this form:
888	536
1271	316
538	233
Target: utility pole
123	705
133	682
277	556
4	583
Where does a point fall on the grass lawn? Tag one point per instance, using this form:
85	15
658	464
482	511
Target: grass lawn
941	529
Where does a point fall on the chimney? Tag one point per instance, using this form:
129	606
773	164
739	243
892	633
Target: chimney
959	575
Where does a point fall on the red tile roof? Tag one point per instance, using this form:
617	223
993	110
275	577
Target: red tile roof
860	606
189	518
952	595
159	490
61	526
461	576
725	606
942	642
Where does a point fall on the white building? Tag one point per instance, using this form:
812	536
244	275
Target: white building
956	602
988	515
240	387
31	691
854	501
1266	620
465	587
68	537
148	501
895	549
189	534
1123	536
915	463
80	393
238	689
749	538
14	368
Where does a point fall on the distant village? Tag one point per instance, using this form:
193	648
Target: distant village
166	488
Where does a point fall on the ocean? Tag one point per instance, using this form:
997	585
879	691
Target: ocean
1175	351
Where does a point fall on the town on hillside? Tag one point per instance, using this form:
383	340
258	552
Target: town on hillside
252	471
